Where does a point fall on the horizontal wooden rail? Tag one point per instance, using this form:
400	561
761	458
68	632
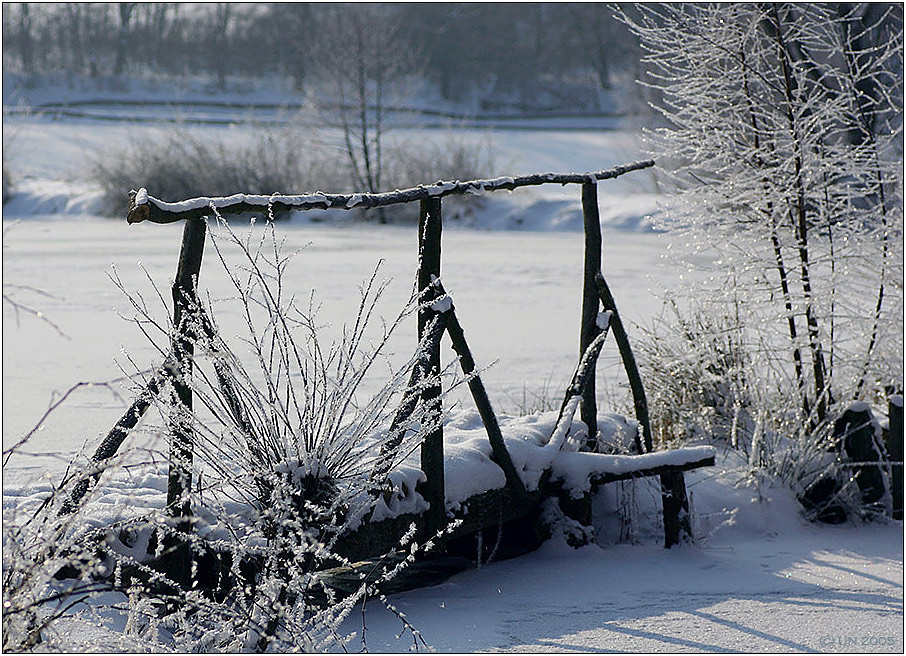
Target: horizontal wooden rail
144	207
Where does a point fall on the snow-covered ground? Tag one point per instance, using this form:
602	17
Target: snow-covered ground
759	578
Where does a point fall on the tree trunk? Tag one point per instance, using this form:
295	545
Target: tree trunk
122	48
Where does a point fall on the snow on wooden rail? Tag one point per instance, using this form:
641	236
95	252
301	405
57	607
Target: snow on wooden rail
147	208
581	471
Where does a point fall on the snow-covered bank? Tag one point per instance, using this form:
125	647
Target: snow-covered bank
759	579
51	165
33	197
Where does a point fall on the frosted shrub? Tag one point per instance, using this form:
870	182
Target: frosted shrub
179	165
783	136
37	545
698	371
281	434
289	455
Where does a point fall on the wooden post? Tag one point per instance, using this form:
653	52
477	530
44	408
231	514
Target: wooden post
677	527
855	430
118	434
391	446
590	303
632	370
181	446
895	451
432	449
483	403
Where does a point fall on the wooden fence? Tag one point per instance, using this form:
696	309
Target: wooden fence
434	320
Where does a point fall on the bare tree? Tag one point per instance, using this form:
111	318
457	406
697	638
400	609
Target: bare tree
363	63
25	38
122	48
219	34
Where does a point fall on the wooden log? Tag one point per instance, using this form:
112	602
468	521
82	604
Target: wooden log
111	443
179	480
432	450
411	397
590	303
895	451
597	480
677	525
632	370
584	370
855	430
482	402
477	512
147	208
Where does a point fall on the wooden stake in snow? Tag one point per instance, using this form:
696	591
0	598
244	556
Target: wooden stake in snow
432	451
590	301
895	451
179	481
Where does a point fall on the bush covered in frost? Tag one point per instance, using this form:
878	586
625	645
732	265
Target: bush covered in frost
289	455
178	165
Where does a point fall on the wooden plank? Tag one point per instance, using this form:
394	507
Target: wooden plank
602	479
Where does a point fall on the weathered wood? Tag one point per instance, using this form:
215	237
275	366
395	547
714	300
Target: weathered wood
632	370
855	430
503	505
420	372
478	512
590	302
677	525
148	208
480	396
179	480
432	449
598	480
584	371
895	451
111	444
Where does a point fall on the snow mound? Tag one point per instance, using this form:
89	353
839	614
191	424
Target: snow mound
48	197
534	212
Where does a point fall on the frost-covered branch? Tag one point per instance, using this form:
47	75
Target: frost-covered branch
147	208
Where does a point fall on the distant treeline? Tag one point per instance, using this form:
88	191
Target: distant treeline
515	52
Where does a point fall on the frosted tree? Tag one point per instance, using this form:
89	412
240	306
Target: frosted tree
783	136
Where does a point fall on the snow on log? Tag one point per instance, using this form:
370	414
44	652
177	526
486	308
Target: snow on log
580	471
144	207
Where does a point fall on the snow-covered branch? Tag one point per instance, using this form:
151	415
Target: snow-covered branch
144	207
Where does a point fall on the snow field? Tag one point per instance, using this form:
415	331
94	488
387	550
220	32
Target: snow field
759	578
